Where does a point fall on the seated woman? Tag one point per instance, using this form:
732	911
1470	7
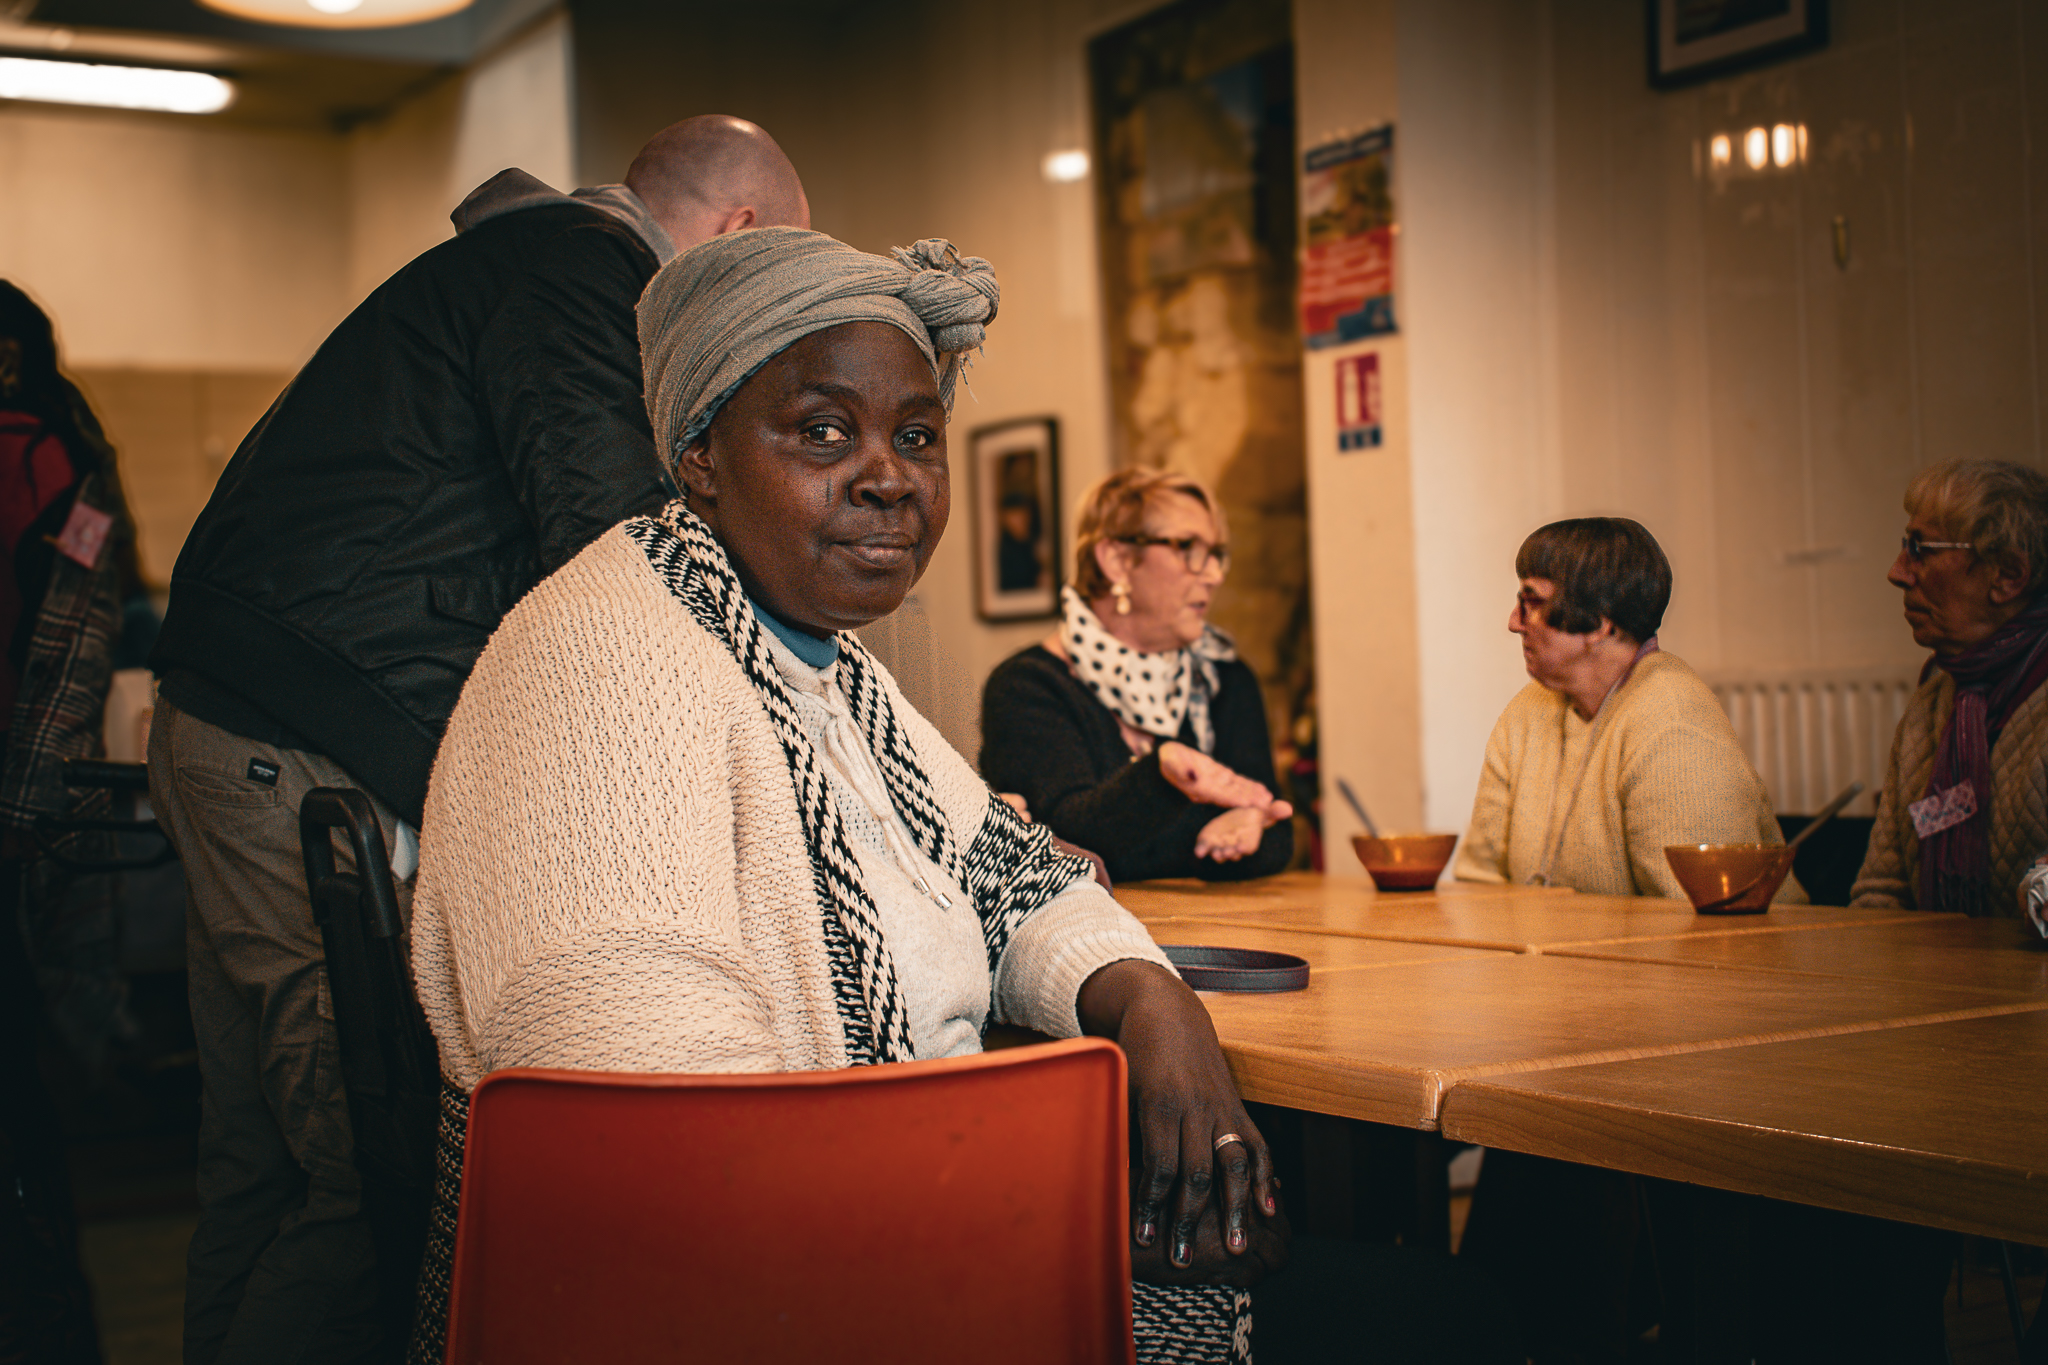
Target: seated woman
1973	567
682	822
1134	729
1616	749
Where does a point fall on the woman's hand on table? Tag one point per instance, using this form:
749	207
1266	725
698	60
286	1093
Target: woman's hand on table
1204	781
1237	833
1182	1101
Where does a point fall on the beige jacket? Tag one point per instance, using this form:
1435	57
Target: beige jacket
2019	801
1664	768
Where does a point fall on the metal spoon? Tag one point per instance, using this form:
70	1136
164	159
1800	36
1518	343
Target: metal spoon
1358	807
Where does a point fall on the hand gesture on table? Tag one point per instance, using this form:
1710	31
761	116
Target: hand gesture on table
1182	1101
1236	833
1206	782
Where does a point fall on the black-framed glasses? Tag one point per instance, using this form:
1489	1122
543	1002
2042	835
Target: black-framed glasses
1195	552
1916	549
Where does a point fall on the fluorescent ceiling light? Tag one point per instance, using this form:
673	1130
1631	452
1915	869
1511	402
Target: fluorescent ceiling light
339	13
114	87
1062	167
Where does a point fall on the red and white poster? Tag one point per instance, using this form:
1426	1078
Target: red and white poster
1347	268
1358	403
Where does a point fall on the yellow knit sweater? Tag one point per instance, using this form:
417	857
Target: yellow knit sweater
1664	769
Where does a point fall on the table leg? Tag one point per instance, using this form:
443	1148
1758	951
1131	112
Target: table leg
1432	1193
1715	1292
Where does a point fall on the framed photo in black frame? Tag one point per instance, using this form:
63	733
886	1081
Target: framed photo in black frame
1697	40
1014	490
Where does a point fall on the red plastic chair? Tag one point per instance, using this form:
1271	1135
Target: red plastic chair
974	1207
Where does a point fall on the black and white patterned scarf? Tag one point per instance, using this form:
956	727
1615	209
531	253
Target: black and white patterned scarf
1010	870
1149	692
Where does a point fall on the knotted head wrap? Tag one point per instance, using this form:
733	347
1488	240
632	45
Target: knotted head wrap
721	310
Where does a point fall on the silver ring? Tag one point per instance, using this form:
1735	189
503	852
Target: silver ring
1225	1141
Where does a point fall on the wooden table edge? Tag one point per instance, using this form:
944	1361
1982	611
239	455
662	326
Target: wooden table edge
1750	1159
1592	953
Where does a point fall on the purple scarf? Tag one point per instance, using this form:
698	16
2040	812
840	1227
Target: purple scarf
1991	680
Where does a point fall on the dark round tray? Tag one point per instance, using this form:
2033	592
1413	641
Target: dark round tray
1236	969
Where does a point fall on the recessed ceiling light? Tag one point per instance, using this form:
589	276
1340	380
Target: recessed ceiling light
1063	167
113	87
339	13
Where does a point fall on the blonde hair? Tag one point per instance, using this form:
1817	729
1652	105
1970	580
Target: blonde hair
1998	507
1115	508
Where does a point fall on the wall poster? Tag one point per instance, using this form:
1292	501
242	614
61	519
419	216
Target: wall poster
1347	270
1015	492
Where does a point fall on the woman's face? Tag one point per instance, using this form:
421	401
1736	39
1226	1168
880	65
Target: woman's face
1953	599
1169	605
825	476
1552	656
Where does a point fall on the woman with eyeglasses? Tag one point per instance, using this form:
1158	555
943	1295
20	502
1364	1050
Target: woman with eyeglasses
1614	750
1962	814
1134	729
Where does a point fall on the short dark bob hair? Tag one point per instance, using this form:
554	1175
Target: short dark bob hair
1604	568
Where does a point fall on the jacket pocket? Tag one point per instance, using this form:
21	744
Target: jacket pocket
477	601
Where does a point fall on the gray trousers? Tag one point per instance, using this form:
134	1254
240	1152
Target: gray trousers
281	1268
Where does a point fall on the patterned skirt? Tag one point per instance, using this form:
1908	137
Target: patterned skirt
1172	1325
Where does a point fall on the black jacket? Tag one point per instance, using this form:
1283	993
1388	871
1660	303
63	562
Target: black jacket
462	434
1045	737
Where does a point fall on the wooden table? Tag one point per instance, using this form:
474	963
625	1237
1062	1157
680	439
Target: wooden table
1940	1124
1984	954
1508	918
1883	1062
1387	1027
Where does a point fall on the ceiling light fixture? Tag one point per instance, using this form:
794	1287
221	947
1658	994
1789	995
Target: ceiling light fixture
113	87
1065	167
339	13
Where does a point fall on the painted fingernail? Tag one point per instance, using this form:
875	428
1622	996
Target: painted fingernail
1237	1238
1271	1204
1147	1231
1182	1252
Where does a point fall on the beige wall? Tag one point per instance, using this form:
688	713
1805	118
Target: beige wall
1597	322
192	265
1362	523
156	241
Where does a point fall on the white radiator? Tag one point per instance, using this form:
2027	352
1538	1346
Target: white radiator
1812	732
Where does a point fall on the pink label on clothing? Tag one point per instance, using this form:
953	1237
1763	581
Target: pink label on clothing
1943	810
84	534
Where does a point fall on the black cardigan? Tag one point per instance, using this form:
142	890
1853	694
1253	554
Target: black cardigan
1045	737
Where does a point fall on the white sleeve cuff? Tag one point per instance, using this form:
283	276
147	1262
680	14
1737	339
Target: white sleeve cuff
1057	949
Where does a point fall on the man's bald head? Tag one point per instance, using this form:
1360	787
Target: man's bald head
713	174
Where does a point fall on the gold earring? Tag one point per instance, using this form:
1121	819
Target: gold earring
1122	593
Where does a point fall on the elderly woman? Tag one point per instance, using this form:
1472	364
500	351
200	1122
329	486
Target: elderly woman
682	822
1962	814
1134	729
1616	749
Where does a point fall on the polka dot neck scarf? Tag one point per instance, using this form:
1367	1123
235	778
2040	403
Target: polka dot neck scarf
1150	692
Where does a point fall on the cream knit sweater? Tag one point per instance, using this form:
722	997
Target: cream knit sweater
613	874
1665	768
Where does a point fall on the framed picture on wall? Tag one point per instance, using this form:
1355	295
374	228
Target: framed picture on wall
1014	487
1697	40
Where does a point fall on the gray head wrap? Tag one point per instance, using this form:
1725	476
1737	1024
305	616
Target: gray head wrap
724	308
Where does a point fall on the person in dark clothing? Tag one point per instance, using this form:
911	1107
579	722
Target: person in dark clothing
1134	730
467	430
65	542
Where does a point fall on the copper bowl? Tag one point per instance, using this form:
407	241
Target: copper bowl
1730	879
1404	862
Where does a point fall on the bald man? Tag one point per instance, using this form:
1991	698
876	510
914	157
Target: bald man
466	431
